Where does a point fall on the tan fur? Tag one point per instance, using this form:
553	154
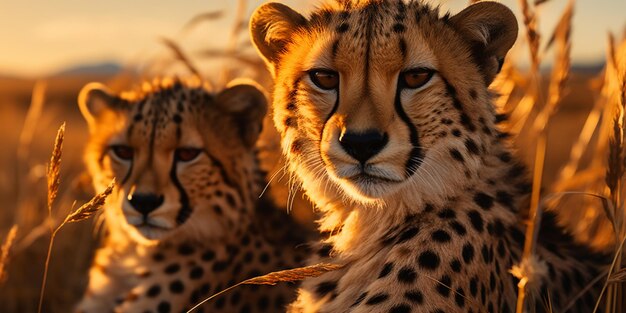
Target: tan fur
419	220
213	230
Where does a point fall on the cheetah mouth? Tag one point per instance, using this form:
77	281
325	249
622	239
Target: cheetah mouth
369	179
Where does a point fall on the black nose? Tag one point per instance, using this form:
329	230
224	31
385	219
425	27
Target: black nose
145	203
363	146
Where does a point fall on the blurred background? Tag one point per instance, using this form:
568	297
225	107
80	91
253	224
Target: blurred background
556	83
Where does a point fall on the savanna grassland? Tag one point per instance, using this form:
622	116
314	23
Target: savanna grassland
567	124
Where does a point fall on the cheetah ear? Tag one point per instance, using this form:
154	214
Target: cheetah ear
246	104
94	100
271	29
491	28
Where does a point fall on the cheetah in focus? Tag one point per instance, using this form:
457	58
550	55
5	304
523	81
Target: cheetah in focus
386	118
185	220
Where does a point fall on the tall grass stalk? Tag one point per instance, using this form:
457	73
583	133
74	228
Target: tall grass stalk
85	211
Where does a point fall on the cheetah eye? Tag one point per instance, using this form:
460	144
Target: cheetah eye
325	79
416	78
122	152
187	154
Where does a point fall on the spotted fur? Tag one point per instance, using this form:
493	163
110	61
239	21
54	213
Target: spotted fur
184	221
420	194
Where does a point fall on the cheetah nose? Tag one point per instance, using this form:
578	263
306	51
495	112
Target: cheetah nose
145	203
363	145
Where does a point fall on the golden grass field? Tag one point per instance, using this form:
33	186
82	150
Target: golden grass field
576	118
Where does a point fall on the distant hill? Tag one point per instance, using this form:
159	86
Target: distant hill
105	68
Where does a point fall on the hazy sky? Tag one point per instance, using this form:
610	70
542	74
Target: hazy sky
40	37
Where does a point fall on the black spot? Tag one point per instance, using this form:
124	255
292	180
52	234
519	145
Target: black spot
456	133
208	255
185	249
296	147
465	120
263	303
446	214
501	249
428	260
505	198
359	299
441	236
485	252
177	118
158	257
400	308
325	287
324	251
455	265
342	28
476	220
248	256
443	286
474	286
516	171
456	155
377	298
408	234
414	296
407	275
177	286
153	291
471	146
264	258
196	272
164	307
290	122
220	266
468	253
501	118
458	228
403	47
398	28
245	309
483	200
473	94
505	157
459	297
386	270
172	268
492	281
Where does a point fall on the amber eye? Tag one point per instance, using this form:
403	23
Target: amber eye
123	152
325	79
187	154
416	78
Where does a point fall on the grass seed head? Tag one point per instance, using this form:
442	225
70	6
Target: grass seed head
5	252
92	207
292	275
54	167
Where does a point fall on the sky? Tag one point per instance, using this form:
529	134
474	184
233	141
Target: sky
45	36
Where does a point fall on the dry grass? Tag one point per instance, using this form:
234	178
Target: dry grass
290	275
5	252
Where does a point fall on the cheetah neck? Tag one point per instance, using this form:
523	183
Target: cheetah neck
355	229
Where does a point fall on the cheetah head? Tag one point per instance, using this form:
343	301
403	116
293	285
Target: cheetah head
182	157
376	97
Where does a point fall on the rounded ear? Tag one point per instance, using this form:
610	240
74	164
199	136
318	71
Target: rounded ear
93	100
246	104
271	29
491	28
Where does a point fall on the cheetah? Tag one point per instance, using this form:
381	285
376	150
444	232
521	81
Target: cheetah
185	220
386	118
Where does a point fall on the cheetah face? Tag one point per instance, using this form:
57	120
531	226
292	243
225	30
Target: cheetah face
377	96
181	158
